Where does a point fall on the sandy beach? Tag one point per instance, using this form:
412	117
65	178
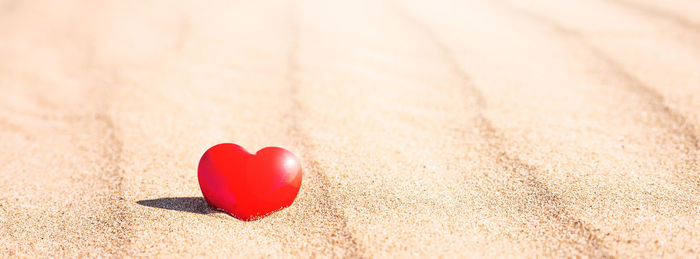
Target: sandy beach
425	128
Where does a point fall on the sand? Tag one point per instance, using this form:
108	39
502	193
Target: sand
425	128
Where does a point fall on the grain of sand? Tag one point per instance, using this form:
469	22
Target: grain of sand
426	128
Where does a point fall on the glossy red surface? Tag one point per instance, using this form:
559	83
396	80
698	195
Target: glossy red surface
249	186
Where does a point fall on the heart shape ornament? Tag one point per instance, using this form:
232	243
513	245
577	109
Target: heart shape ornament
249	186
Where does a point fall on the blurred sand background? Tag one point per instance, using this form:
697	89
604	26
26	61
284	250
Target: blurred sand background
425	128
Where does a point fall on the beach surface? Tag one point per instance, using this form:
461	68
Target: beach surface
425	128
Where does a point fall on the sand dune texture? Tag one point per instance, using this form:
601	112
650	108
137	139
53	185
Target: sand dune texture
426	128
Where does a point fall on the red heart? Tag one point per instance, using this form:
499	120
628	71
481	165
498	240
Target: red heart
248	186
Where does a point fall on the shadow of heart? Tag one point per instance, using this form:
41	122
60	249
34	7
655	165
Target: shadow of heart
188	204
